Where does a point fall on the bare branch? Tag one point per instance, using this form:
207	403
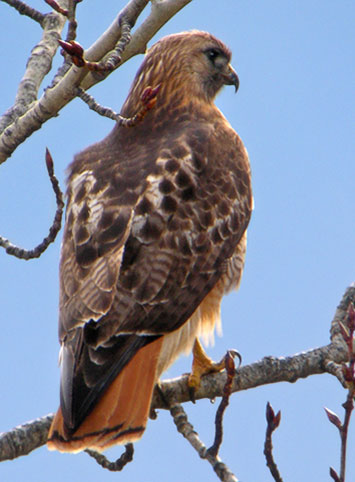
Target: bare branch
95	106
54	229
187	430
268	370
347	330
56	97
272	369
73	24
349	374
115	57
24	9
116	466
37	67
24	438
161	12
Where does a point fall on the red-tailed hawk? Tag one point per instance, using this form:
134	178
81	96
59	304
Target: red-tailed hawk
155	235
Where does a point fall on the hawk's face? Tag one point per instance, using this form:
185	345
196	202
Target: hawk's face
203	63
215	70
191	66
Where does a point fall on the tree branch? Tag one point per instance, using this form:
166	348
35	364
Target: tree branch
161	12
118	464
187	430
24	9
347	329
268	370
24	438
148	101
37	67
21	123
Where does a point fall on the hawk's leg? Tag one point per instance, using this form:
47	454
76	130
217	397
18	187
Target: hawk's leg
201	365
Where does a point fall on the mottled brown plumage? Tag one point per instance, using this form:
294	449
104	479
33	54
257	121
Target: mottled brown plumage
155	235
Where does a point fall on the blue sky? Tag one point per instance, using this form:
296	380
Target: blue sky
295	113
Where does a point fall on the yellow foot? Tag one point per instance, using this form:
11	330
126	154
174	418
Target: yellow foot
202	365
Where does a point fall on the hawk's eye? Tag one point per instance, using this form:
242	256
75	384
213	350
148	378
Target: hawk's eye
212	54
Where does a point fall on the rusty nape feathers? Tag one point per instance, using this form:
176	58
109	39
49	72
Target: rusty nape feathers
155	235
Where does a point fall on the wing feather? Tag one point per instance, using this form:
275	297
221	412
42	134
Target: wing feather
137	263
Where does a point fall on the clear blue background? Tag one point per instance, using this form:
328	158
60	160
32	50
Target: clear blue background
295	113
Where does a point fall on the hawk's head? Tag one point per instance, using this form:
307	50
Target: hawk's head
189	66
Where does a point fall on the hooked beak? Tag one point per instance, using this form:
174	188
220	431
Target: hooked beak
230	77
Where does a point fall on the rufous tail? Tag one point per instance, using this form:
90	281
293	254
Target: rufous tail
121	414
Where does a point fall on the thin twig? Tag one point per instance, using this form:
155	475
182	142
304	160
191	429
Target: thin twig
273	421
148	100
73	24
116	466
349	407
24	9
95	106
349	375
53	230
115	57
187	430
57	7
230	369
347	331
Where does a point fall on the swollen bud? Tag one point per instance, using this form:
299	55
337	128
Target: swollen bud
333	417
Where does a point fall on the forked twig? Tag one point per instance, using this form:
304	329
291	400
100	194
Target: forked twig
55	5
54	229
187	430
76	51
118	464
273	421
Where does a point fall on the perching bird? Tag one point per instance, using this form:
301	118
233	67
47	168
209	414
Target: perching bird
155	235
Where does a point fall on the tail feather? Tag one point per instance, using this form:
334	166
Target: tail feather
121	414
